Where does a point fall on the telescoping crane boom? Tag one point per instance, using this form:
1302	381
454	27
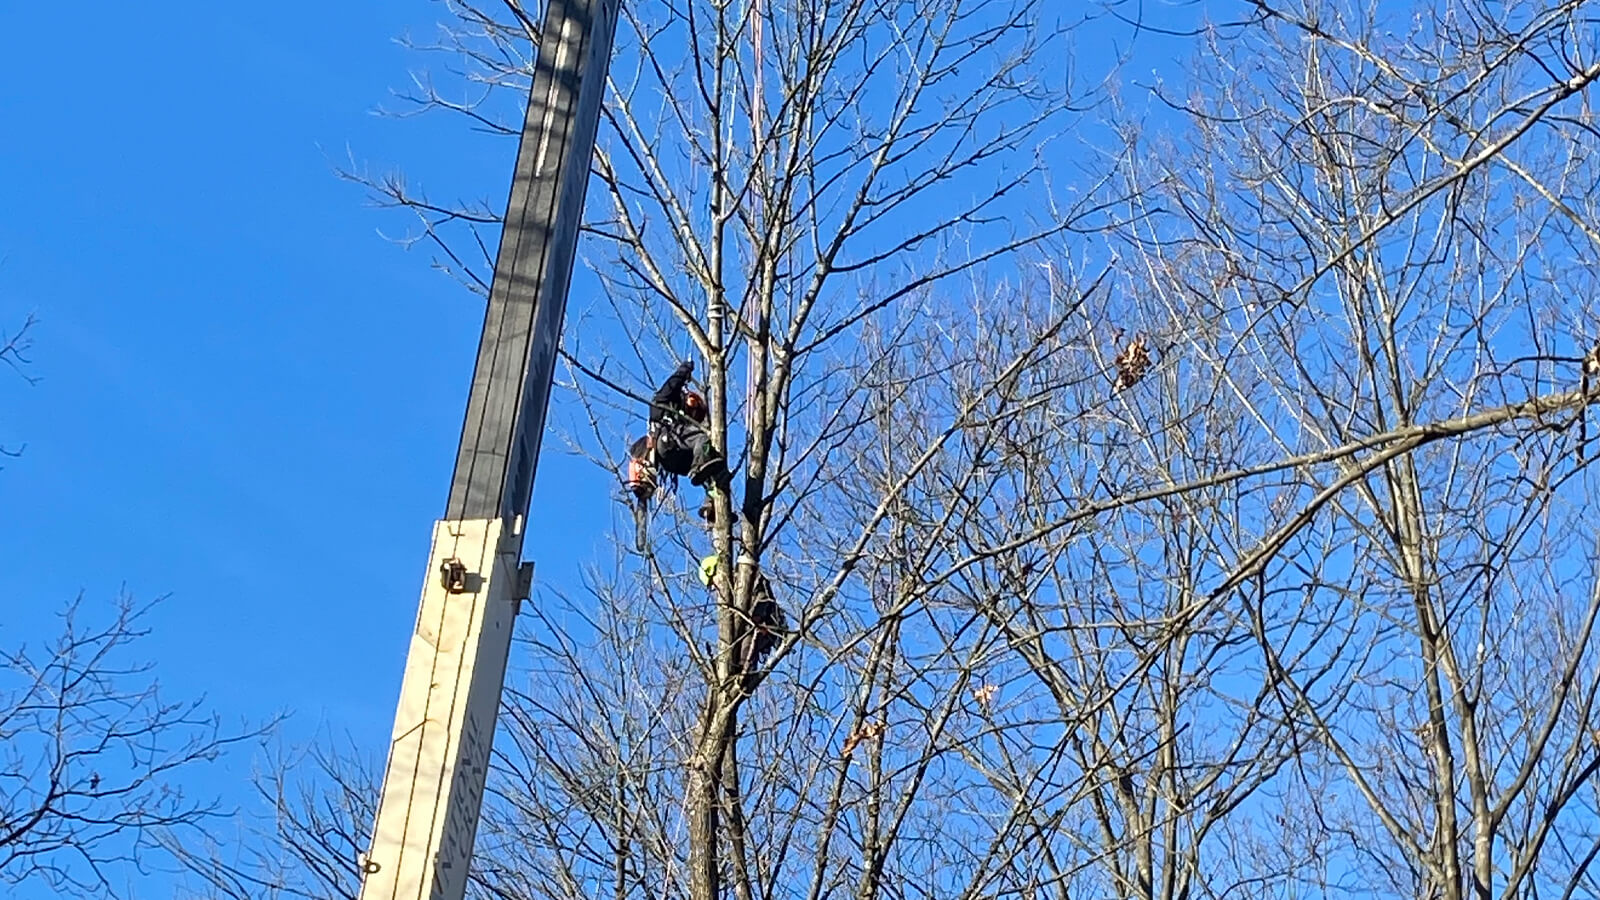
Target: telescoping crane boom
475	580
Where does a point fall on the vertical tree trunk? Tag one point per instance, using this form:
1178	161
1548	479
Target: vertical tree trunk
704	804
1434	636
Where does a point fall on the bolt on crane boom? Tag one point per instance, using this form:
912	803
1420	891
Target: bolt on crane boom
433	783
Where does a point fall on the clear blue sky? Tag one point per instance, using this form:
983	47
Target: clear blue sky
249	399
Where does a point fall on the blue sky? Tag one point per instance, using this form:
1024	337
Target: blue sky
241	382
249	399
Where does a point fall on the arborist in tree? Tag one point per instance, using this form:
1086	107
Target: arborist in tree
677	442
754	635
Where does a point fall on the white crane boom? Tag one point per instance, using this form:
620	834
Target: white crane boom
455	671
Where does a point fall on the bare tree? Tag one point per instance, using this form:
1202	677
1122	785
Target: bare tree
1380	261
1226	531
306	844
787	201
92	757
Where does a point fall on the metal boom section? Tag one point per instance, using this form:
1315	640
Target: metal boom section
439	754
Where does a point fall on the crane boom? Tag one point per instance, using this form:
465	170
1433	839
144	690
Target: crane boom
433	783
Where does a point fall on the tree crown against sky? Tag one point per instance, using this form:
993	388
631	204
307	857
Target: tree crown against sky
1164	505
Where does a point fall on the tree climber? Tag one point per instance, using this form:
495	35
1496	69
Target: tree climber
754	635
676	442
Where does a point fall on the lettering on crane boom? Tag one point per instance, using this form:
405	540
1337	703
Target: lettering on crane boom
466	801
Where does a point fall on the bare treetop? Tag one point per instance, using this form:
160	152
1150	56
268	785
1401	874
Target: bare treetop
1164	504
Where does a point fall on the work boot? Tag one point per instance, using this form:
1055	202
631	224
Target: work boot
709	466
703	472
